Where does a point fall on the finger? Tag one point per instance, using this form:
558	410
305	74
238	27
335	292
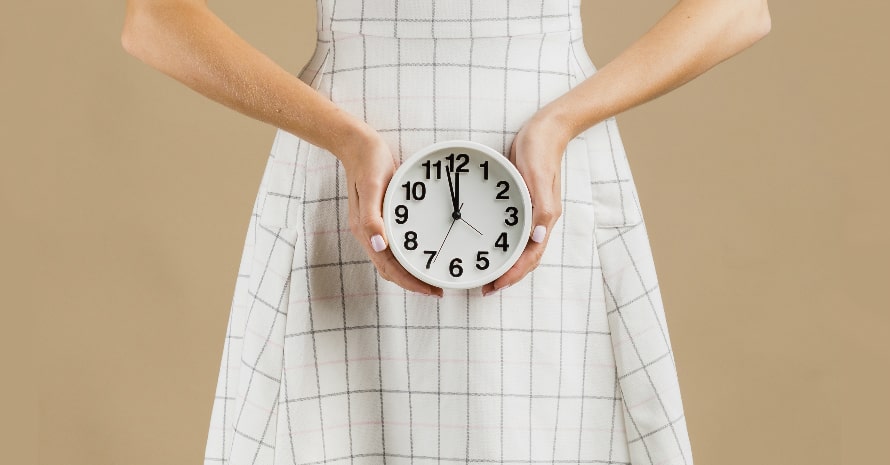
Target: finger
546	209
369	193
353	202
388	267
372	246
370	221
545	192
387	264
546	205
527	262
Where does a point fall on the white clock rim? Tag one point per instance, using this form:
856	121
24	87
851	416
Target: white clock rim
388	213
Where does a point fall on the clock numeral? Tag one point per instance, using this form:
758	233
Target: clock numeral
454	268
410	240
429	165
481	259
484	166
417	191
462	158
513	211
429	261
502	242
503	194
401	214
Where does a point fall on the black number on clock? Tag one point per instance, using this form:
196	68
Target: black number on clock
502	242
429	165
454	268
484	166
481	259
429	261
503	194
401	214
410	240
462	158
417	190
513	211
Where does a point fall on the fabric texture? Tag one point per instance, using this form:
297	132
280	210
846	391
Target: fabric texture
326	362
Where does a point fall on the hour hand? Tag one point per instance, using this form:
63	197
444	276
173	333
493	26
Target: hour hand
468	223
455	213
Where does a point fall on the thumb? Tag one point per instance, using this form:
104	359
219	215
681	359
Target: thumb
546	209
371	215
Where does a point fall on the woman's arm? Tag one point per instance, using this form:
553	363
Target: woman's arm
691	38
185	40
694	36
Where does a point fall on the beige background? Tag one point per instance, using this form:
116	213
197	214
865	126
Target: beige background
125	198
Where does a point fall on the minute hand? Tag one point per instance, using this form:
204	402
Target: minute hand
455	214
457	192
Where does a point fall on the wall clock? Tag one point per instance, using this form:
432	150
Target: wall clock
457	214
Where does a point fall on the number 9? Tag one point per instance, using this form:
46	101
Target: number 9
401	214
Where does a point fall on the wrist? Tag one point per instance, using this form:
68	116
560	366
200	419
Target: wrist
555	120
351	139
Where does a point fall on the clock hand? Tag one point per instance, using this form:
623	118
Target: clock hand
468	223
455	214
443	240
457	192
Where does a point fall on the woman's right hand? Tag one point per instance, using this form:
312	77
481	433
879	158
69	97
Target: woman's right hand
187	41
369	166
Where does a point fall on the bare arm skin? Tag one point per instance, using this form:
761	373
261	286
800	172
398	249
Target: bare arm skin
692	37
185	40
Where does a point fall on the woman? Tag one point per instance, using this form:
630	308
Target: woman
325	362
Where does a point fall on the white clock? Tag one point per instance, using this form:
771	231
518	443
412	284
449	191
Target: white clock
457	214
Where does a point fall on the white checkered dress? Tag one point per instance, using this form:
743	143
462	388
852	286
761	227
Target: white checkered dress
325	362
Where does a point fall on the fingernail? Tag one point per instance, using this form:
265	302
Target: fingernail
539	233
486	294
377	243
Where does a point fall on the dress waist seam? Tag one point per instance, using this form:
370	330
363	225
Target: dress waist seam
327	35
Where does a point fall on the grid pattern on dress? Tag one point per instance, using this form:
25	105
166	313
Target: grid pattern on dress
451	19
324	362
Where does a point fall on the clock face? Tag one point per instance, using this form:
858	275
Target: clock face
457	214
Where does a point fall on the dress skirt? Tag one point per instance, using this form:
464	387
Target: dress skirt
326	362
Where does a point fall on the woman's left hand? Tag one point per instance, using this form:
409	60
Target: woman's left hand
537	151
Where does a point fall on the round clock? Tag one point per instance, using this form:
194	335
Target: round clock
457	214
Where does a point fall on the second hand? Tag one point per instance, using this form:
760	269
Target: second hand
443	240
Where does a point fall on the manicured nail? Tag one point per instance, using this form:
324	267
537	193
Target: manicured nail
539	232
486	294
377	243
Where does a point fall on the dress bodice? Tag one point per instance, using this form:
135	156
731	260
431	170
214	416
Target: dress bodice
449	18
